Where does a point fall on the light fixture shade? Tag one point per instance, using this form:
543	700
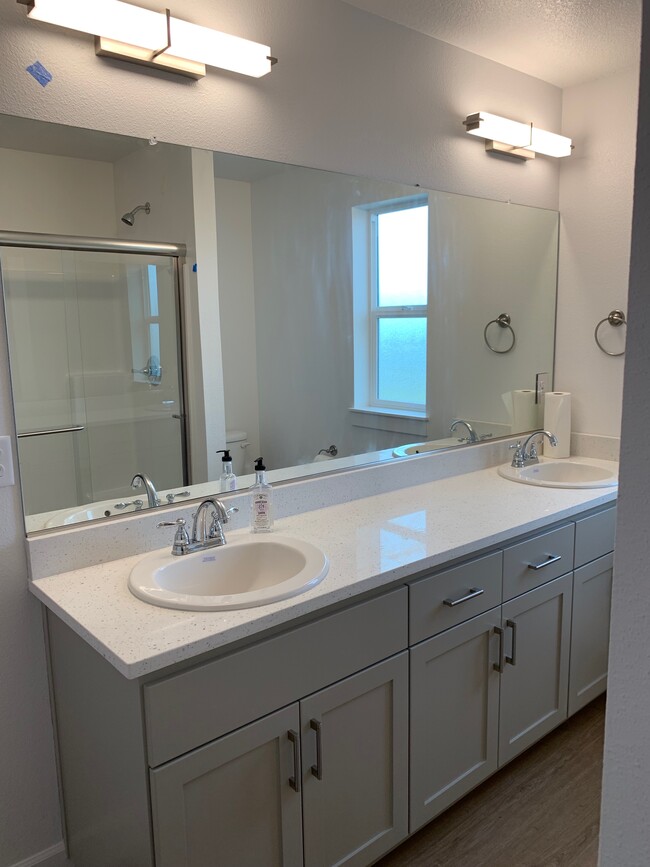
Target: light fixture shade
147	31
522	136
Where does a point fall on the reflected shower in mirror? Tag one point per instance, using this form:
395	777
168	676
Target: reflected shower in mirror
328	321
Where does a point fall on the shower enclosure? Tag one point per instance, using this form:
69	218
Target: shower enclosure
94	330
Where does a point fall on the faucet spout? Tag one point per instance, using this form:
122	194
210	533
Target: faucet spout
140	479
529	449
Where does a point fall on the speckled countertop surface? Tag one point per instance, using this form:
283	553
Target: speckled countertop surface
371	543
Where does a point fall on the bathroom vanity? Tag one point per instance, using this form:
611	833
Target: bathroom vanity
452	633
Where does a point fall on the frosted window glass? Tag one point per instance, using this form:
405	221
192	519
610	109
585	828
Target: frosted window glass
401	359
402	245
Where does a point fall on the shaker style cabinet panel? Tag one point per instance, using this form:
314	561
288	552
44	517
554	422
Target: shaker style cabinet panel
534	682
233	801
355	766
592	592
454	715
537	560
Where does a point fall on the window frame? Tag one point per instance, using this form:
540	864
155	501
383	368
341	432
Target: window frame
375	312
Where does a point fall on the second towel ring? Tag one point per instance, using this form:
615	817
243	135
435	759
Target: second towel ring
503	321
615	318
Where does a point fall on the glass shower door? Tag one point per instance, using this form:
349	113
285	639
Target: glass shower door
96	371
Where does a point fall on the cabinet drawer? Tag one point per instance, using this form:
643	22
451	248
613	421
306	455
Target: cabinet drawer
595	536
446	599
537	560
193	707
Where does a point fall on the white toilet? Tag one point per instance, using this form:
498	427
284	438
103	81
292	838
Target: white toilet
237	443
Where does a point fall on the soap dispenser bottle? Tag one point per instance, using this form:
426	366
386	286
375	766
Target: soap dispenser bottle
227	479
261	501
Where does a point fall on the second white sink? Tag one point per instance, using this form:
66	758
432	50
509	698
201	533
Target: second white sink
243	573
561	474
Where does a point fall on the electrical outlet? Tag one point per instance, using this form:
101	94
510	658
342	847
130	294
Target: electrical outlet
6	463
541	387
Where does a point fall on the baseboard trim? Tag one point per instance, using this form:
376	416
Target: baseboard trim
52	857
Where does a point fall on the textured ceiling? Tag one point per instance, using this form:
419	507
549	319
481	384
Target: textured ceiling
564	42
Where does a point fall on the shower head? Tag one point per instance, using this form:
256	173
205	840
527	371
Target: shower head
129	217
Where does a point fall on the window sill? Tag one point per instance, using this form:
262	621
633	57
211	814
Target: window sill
391	420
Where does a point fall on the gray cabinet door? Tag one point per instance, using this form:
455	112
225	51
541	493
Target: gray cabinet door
592	593
355	766
534	683
454	714
231	802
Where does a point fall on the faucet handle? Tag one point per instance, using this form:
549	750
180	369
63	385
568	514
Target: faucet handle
181	538
518	457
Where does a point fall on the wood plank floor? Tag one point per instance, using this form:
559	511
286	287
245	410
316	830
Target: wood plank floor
542	810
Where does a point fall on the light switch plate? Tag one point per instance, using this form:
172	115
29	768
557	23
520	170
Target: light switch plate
541	387
6	463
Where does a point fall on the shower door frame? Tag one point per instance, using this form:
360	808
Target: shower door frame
177	252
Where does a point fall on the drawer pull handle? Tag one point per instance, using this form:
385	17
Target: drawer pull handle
294	781
548	559
512	659
317	769
499	666
473	593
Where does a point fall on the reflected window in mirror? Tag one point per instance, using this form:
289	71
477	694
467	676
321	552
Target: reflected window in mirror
390	247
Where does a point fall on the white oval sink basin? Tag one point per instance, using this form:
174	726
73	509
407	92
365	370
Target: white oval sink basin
561	474
423	448
243	573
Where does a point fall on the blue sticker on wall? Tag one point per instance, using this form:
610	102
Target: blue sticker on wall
40	73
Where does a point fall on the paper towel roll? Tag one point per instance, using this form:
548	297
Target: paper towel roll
524	410
557	420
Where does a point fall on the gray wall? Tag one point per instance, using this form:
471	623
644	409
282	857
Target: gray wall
626	791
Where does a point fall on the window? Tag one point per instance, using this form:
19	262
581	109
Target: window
390	330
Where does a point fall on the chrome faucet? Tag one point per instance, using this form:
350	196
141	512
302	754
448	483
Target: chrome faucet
140	479
204	534
471	433
523	458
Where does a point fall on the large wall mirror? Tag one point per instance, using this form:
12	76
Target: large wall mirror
320	320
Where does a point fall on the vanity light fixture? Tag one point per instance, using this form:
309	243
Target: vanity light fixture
520	140
154	39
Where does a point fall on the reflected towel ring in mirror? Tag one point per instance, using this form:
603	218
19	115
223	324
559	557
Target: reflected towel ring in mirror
615	318
503	321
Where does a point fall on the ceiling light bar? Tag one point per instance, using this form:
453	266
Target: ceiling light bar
522	140
154	38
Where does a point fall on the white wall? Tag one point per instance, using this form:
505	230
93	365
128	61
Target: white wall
61	195
596	218
625	834
237	312
351	93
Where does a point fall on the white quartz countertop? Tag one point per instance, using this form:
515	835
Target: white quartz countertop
371	543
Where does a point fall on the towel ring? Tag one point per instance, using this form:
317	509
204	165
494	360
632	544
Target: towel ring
503	321
615	318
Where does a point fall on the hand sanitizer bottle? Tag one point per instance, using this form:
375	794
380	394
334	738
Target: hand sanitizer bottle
227	479
261	500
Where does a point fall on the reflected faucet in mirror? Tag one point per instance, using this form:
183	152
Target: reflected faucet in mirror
140	479
472	436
